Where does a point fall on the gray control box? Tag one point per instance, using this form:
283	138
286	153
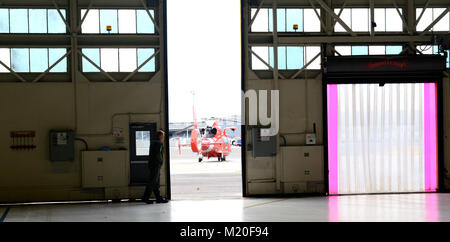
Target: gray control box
62	145
263	146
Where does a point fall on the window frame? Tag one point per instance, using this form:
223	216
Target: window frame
118	60
270	21
29	72
99	8
47	8
350	25
271	55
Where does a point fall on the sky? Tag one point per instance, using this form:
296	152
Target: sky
204	56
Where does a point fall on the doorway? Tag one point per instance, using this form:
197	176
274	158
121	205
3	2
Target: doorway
204	53
140	136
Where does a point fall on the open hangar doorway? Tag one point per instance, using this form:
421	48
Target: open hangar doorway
204	99
383	124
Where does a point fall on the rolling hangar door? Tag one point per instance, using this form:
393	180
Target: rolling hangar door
82	75
284	45
383	124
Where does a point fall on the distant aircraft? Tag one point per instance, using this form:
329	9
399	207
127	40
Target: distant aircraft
211	141
237	141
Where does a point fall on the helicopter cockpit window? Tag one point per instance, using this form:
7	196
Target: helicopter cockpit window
210	132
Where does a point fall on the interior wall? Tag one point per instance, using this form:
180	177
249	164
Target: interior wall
300	106
87	108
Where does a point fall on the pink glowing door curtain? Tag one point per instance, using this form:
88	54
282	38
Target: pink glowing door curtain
382	139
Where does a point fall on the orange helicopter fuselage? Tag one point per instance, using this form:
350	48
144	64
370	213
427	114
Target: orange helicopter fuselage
217	145
211	141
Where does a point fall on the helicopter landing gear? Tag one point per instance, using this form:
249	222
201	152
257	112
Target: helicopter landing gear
221	158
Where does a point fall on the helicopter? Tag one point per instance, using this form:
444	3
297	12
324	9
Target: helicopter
210	141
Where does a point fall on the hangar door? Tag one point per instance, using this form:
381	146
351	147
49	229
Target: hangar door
382	128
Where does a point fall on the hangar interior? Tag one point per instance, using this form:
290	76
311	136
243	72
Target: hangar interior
341	30
70	127
98	88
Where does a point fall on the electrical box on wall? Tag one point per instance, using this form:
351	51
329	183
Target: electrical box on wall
263	144
302	169
310	139
62	145
104	169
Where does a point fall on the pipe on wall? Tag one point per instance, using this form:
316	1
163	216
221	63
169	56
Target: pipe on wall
112	123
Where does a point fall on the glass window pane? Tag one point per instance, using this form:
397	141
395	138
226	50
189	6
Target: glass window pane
425	49
144	22
360	50
94	55
127	59
311	22
38	59
360	19
380	19
55	24
4	20
142	143
54	54
426	19
393	49
377	50
294	57
393	20
435	49
444	23
282	58
346	17
261	23
110	59
18	20
91	23
271	56
281	21
108	17
343	50
20	60
311	52
448	59
294	16
143	55
38	20
263	53
127	21
4	57
270	19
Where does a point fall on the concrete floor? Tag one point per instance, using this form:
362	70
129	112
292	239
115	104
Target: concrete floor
396	207
211	191
206	180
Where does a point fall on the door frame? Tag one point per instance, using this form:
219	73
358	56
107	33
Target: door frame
434	75
165	70
133	127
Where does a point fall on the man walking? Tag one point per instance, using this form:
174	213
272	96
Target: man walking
154	164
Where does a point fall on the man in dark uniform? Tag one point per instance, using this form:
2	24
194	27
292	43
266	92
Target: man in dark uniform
154	164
